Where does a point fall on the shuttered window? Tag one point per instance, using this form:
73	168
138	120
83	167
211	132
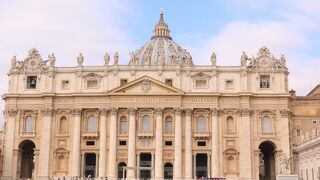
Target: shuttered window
266	124
168	125
146	123
201	124
123	125
92	124
28	124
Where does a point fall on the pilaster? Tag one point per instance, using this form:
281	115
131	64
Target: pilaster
177	172
103	143
132	143
45	143
112	145
159	148
188	145
75	168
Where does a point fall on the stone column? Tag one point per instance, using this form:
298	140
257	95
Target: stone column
45	142
8	148
132	143
188	146
215	153
194	166
103	143
177	172
97	162
245	145
285	138
159	144
75	170
112	145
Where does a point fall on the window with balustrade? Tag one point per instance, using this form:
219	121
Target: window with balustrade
266	124
123	125
168	125
28	126
201	124
145	123
91	124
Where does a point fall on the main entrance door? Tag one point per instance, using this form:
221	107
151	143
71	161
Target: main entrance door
90	165
201	165
145	161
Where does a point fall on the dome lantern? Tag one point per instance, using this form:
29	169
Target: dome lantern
161	30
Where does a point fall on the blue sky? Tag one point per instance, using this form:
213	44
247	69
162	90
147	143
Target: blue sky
227	27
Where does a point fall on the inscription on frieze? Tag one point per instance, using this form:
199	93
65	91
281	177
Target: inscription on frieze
144	99
200	100
229	101
92	100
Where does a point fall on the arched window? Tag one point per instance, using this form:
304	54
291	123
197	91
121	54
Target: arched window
230	124
28	124
201	124
168	125
231	164
266	124
63	126
123	125
146	123
92	124
61	163
122	172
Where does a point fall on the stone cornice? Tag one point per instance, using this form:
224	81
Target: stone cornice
47	111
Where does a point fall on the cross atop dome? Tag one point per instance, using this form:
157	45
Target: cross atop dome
161	30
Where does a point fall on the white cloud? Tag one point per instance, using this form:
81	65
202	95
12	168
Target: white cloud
291	36
65	28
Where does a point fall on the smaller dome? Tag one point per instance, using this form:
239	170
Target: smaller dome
161	49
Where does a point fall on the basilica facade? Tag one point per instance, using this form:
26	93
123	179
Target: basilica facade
161	116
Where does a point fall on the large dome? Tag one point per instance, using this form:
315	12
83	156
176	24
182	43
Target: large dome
161	49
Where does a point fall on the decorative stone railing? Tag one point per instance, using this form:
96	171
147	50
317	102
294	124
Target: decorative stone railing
145	134
90	135
201	135
315	133
28	134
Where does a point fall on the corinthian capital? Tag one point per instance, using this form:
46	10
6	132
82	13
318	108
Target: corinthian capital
103	111
178	110
215	111
132	111
12	112
245	112
188	111
113	110
76	111
284	112
47	111
159	111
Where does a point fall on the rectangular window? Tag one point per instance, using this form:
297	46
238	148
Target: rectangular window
229	84
90	143
168	82
122	143
123	82
298	132
123	126
168	143
314	122
201	83
92	83
65	84
31	82
168	126
264	81
202	143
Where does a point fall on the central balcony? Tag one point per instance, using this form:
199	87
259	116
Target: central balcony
145	134
201	135
90	135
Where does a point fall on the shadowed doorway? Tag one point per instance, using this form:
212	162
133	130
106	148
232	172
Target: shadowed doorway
267	161
27	159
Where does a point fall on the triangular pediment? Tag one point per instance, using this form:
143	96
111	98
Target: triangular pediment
145	85
315	92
